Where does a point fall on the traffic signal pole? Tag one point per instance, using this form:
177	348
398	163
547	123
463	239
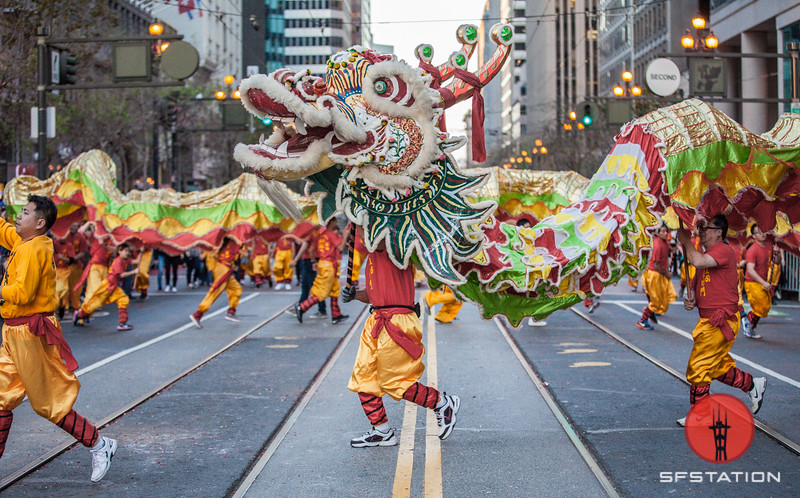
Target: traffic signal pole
41	101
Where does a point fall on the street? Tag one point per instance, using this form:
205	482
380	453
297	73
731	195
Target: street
261	408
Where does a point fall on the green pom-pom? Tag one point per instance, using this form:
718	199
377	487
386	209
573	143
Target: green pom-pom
471	33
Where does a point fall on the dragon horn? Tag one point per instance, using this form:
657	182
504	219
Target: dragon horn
459	90
467	35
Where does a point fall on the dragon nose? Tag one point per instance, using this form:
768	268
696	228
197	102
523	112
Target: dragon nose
320	87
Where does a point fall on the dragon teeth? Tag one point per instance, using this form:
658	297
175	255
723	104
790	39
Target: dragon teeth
261	139
284	149
300	126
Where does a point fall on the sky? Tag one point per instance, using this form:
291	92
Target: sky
407	23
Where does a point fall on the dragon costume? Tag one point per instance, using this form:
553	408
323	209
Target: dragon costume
369	136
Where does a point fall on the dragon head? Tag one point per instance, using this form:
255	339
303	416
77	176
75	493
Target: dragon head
371	134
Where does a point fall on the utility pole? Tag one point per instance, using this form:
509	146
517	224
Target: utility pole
41	99
794	48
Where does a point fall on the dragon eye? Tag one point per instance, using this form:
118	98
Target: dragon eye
380	87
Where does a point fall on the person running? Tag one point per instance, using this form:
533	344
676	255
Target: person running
64	255
110	290
450	303
715	294
389	359
757	281
328	251
35	360
657	284
222	265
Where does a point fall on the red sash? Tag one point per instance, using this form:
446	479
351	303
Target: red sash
384	321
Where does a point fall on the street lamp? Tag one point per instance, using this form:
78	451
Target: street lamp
703	40
156	29
628	90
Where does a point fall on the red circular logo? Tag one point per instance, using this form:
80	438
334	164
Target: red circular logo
720	428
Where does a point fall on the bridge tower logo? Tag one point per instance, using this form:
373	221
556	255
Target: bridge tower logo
720	428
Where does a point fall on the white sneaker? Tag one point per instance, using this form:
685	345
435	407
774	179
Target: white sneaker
757	393
318	315
681	422
232	318
446	415
374	438
536	323
102	454
174	289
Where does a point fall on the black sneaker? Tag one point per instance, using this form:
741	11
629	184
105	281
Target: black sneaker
339	319
374	438
654	318
298	312
446	415
61	311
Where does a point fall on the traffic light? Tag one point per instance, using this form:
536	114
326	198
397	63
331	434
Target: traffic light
267	122
67	68
588	113
168	114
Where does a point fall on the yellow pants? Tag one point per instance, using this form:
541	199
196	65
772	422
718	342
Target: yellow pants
231	286
759	299
326	283
660	291
710	356
683	274
62	287
776	274
383	367
633	282
281	268
29	366
75	272
143	277
261	265
102	295
450	305
97	275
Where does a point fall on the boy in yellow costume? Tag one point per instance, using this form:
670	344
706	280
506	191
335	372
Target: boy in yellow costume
282	263
35	360
109	291
221	265
758	281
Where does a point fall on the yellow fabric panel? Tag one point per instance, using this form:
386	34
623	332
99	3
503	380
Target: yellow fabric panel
62	287
281	268
97	277
231	286
326	283
660	291
760	300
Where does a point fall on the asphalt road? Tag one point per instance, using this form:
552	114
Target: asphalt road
271	415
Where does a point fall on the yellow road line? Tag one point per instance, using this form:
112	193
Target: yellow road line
433	448
405	454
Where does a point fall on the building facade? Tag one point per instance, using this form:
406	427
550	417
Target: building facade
315	29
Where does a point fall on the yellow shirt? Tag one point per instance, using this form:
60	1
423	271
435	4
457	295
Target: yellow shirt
29	285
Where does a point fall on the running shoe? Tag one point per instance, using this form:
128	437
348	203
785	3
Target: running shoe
195	318
339	319
446	415
232	318
374	438
102	454
124	326
644	325
757	393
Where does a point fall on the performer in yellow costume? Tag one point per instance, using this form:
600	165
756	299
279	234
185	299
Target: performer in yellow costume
109	291
221	265
260	261
657	283
389	359
282	263
35	360
143	273
758	281
716	297
450	304
96	269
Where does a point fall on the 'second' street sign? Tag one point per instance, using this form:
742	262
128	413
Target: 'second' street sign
663	77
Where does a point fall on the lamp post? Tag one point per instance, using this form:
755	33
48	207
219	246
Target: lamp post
703	39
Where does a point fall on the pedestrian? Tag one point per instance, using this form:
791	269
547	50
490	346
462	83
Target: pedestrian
389	359
222	265
110	290
191	259
304	262
716	296
35	360
328	252
171	264
757	281
657	284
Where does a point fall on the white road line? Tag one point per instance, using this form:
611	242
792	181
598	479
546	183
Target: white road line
736	357
126	352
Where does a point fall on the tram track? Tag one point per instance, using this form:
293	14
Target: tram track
47	457
765	429
558	412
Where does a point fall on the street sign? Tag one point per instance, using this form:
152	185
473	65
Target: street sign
55	67
180	60
619	112
51	122
663	77
130	61
234	115
707	77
